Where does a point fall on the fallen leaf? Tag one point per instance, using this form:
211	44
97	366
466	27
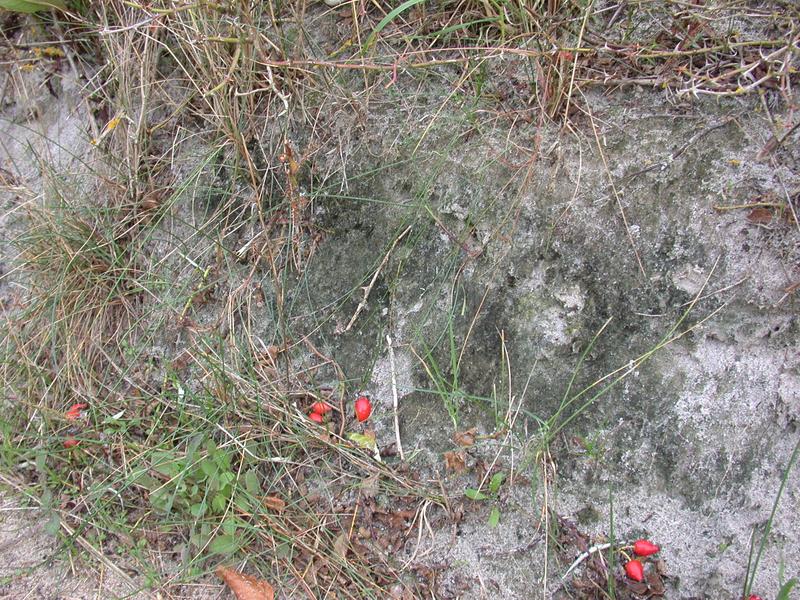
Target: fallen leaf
364	440
455	461
341	545
760	215
637	587
273	503
369	486
182	361
245	587
397	519
465	438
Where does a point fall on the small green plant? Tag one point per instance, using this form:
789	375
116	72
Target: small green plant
592	444
202	483
492	494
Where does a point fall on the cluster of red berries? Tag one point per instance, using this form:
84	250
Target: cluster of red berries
634	568
318	411
363	409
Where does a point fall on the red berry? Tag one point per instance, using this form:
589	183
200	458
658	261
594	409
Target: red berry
645	547
321	408
70	443
363	408
754	597
316	417
635	570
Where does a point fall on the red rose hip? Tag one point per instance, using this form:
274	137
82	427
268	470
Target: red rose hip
634	570
363	408
321	408
645	547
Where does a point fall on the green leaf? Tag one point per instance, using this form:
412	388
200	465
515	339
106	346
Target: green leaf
251	482
162	500
218	503
32	6
198	510
209	467
364	441
783	593
224	544
166	463
244	503
494	517
41	461
192	447
53	525
143	479
47	498
229	526
223	459
199	538
474	494
496	482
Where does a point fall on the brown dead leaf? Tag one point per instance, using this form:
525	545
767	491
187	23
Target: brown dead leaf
397	519
457	513
661	567
182	361
655	585
465	438
273	503
455	461
245	587
369	486
637	587
341	545
760	215
768	148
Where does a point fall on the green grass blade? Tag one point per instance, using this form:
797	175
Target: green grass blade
388	19
751	573
783	593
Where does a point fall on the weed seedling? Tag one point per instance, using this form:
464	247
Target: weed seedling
492	494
